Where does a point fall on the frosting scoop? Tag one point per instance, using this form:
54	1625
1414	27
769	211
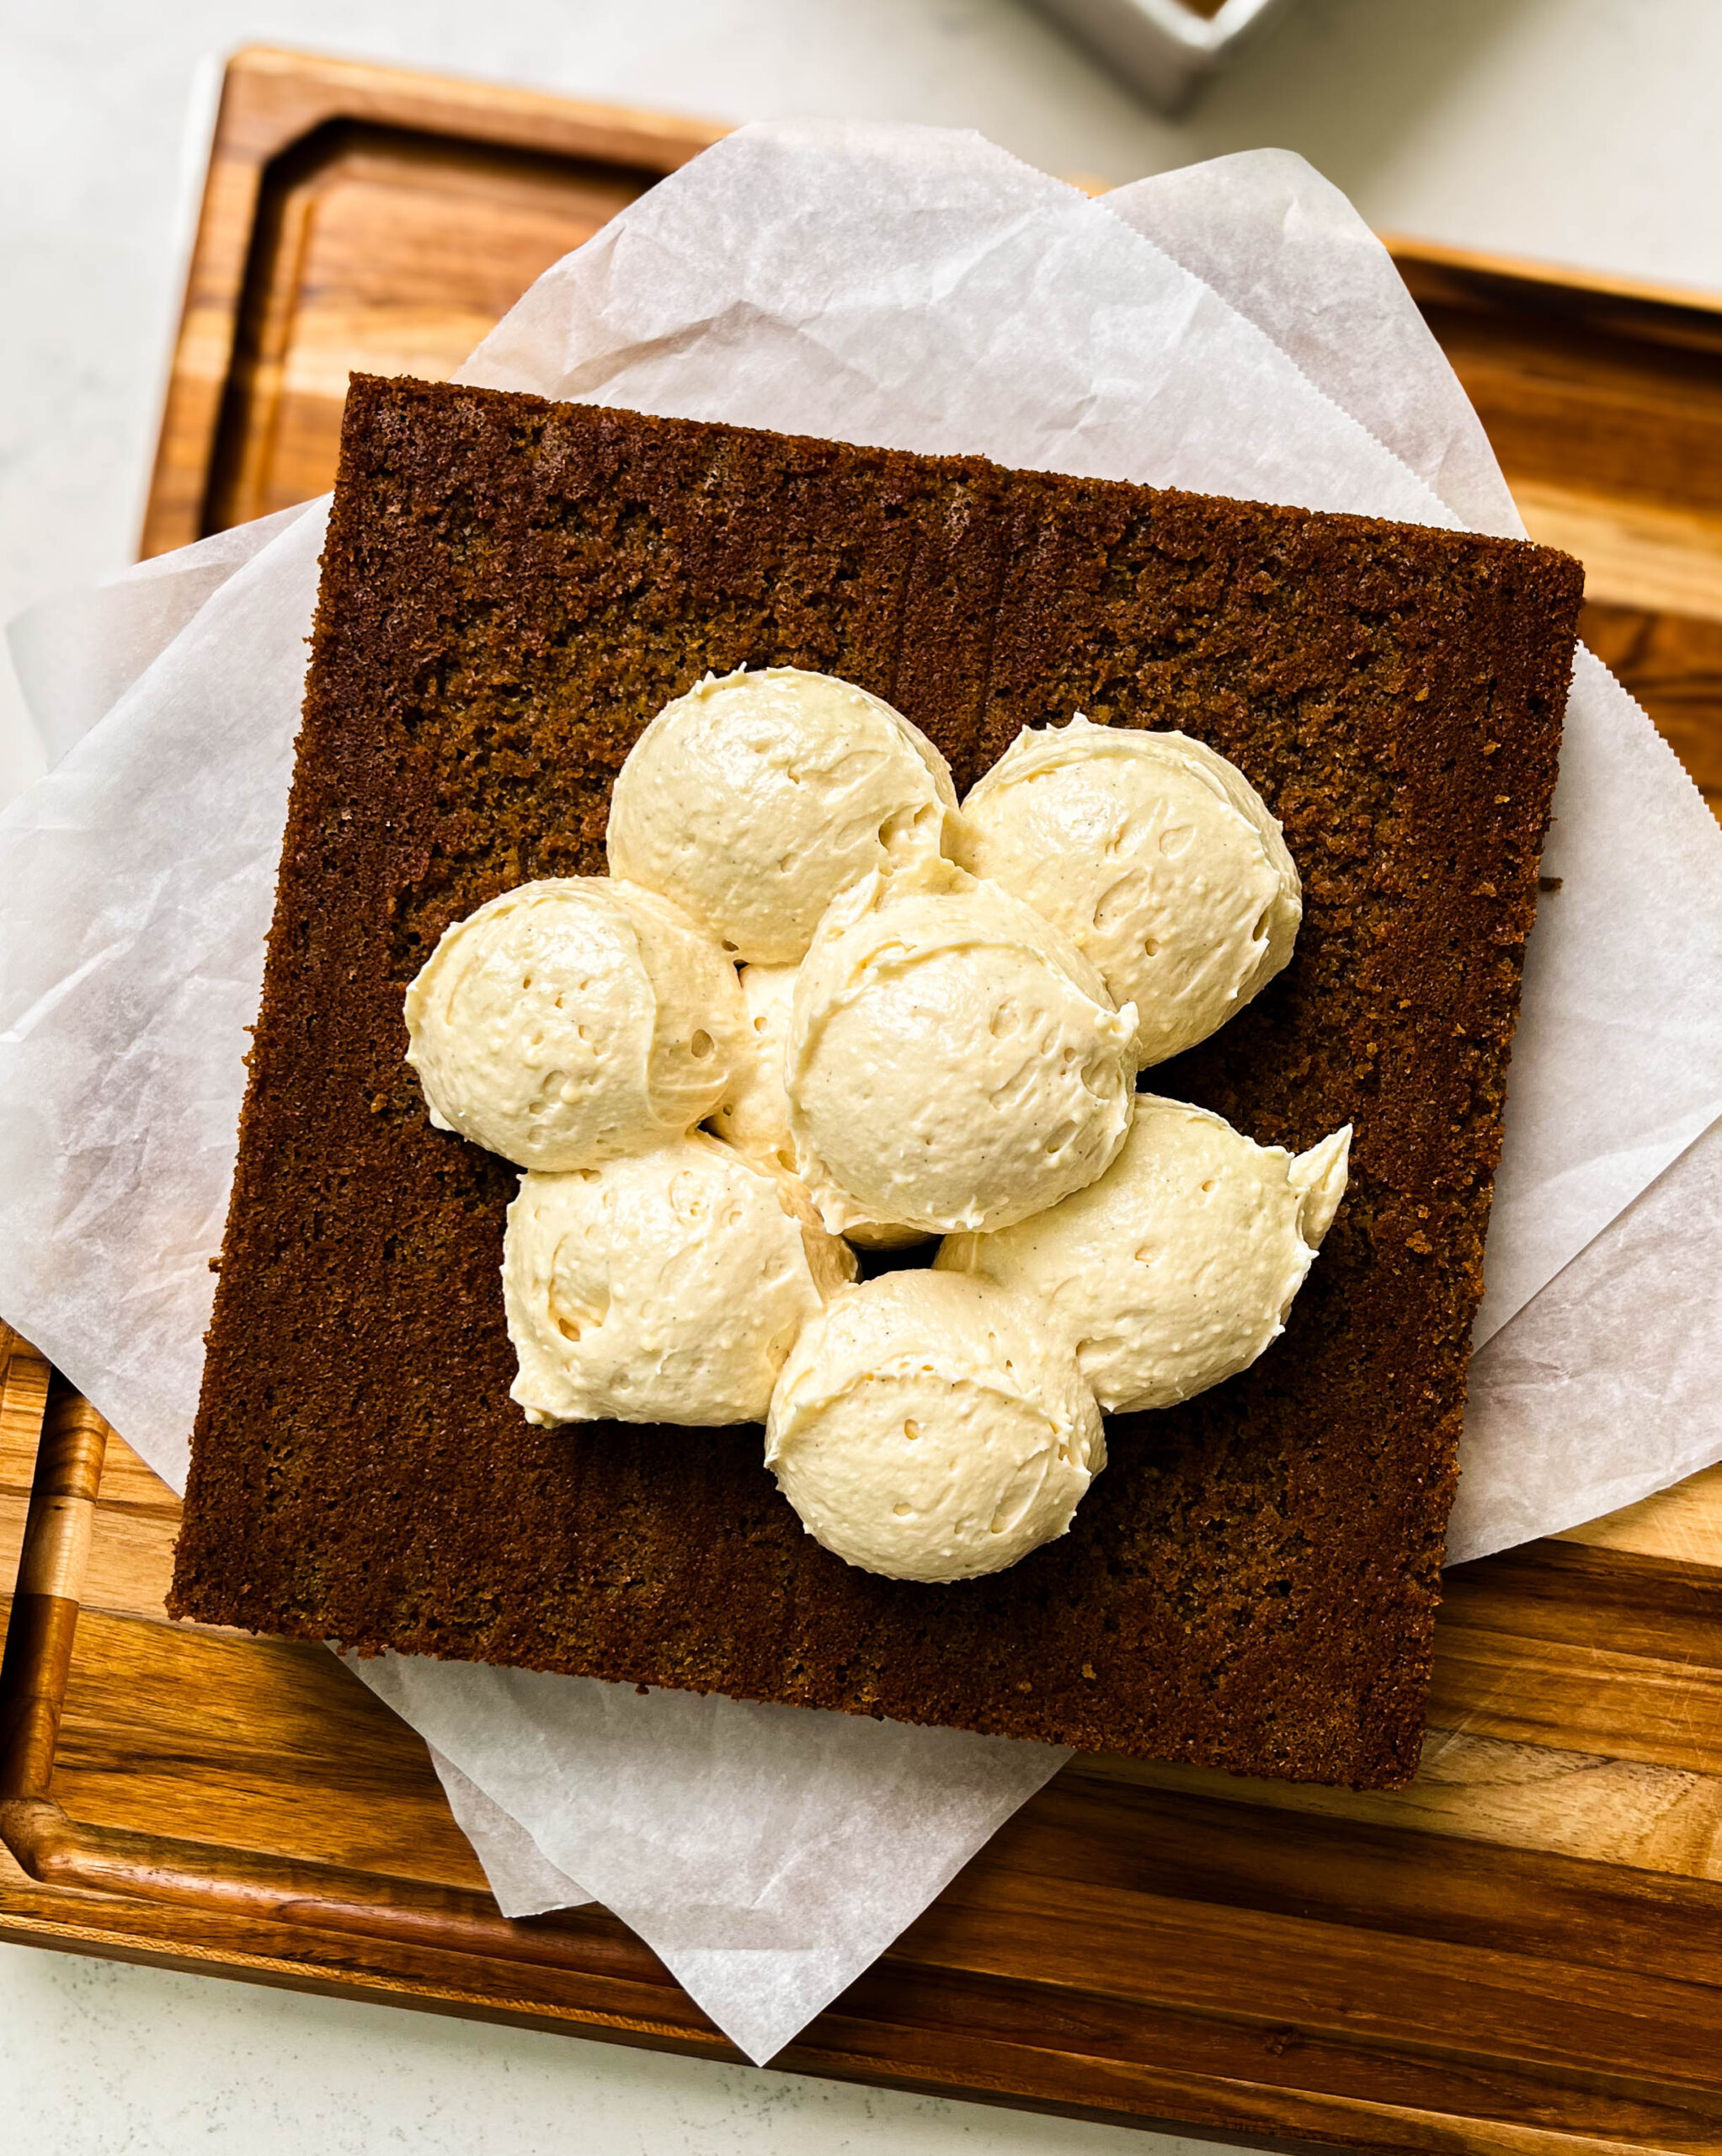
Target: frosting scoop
569	1022
754	1114
926	1427
667	1286
953	1061
1158	859
752	800
1179	1267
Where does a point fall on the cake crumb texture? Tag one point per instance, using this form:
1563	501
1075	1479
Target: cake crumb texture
510	590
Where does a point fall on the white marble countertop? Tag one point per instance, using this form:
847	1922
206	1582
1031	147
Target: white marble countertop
1579	131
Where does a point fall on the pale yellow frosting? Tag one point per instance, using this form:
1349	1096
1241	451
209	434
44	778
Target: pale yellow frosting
911	1048
1158	859
953	1061
667	1286
926	1427
1179	1267
572	1020
752	800
754	1114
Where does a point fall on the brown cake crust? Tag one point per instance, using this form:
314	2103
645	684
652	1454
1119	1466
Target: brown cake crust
510	589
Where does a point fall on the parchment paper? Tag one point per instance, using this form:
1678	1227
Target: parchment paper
1615	985
920	289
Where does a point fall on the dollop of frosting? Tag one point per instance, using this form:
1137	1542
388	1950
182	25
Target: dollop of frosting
1180	1266
916	1044
927	1428
754	1114
1158	859
752	800
953	1060
569	1022
666	1286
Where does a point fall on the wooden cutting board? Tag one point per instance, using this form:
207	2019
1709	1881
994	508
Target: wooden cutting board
1523	1952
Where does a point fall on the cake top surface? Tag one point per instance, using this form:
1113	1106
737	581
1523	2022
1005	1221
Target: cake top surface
510	590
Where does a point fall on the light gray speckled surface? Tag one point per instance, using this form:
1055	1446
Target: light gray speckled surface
96	2058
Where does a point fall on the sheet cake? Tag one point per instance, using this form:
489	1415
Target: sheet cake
510	589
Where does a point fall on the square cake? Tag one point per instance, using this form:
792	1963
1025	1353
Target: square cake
511	589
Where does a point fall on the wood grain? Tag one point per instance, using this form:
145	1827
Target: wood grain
1603	402
358	216
1522	1951
23	1401
1683	1521
1636	554
1207	1949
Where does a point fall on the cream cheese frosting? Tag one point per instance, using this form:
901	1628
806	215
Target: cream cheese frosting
916	1044
666	1286
926	1427
953	1060
1179	1267
572	1020
1158	859
752	800
754	1114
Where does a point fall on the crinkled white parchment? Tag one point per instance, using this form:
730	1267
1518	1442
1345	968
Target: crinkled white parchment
1233	328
